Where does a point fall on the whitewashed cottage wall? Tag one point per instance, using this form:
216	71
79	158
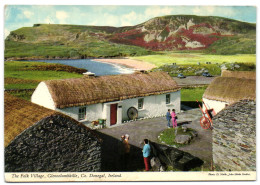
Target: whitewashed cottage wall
42	96
154	105
214	104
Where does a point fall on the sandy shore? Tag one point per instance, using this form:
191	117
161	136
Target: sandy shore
129	63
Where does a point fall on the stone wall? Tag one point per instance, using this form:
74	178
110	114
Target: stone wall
234	137
170	156
54	144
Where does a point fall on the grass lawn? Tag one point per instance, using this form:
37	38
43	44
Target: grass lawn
194	58
192	94
20	75
168	136
189	96
23	75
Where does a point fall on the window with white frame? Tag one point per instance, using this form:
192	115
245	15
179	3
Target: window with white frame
140	103
168	98
82	113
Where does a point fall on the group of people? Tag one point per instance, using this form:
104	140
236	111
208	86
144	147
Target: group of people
171	116
125	148
125	152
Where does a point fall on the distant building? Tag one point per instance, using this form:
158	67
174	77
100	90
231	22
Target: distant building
115	98
37	139
231	87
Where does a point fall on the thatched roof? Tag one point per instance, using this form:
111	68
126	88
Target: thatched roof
84	91
20	114
239	74
230	89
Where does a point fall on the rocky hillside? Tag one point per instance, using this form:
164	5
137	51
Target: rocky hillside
175	32
181	32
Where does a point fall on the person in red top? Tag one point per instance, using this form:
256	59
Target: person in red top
174	121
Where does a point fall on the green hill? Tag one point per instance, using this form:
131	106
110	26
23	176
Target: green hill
175	32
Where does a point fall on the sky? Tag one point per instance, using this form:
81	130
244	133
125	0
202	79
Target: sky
17	16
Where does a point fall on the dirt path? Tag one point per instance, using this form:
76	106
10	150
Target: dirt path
201	147
129	63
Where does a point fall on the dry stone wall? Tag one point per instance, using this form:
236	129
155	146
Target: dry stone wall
54	144
234	137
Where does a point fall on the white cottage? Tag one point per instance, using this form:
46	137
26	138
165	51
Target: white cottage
115	98
231	87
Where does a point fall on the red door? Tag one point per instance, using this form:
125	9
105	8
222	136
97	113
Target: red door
113	114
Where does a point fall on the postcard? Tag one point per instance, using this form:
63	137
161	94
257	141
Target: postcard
129	93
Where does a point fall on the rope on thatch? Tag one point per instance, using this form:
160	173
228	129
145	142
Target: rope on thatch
230	89
85	91
20	114
239	74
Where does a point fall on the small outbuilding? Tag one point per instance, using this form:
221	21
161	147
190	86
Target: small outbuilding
231	87
37	139
114	98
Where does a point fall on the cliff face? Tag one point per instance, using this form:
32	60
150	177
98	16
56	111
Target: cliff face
175	32
181	32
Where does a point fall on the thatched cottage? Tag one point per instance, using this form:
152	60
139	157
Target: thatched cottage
115	98
37	139
231	87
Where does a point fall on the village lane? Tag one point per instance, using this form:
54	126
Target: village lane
200	147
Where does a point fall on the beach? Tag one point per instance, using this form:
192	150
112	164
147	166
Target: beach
135	64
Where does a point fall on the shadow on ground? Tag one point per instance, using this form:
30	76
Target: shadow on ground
113	159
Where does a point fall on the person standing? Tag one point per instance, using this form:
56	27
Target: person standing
174	121
126	152
168	117
146	154
121	152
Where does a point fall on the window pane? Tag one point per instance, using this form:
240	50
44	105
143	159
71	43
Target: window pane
168	98
140	103
82	113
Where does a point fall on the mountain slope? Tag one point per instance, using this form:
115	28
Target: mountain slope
176	32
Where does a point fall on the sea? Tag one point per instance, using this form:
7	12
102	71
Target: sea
99	68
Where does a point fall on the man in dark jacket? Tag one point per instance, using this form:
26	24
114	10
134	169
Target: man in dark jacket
168	117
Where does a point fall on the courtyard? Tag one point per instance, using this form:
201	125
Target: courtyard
200	147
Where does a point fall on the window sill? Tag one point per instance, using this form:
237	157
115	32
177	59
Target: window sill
169	104
83	120
141	109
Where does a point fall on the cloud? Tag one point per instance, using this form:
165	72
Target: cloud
155	11
128	19
61	16
48	20
28	14
7	12
110	20
6	33
213	10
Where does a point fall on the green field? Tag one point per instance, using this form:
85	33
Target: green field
192	94
194	63
194	58
27	75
